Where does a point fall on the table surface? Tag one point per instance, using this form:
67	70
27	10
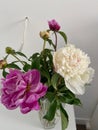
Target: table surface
14	120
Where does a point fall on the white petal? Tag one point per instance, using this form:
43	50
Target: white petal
91	74
87	76
76	86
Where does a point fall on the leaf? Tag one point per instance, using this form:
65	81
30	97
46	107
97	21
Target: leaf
69	93
64	118
63	89
12	65
45	74
35	55
62	99
35	61
4	73
54	80
63	35
46	53
77	101
51	43
66	99
46	60
69	99
50	96
21	54
51	111
26	67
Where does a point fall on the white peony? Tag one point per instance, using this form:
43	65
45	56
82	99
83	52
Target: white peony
73	64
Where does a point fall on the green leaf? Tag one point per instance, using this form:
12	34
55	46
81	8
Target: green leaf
63	89
46	60
4	73
54	80
64	118
66	99
26	67
45	74
34	56
12	65
50	42
62	99
63	35
46	53
77	102
70	94
50	96
21	54
35	61
69	99
51	111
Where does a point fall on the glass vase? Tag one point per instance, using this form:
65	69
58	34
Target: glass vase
44	105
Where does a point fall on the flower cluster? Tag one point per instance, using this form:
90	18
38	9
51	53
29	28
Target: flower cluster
56	74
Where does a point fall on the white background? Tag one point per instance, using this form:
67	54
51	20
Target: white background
78	18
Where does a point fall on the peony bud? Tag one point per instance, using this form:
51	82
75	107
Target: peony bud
44	34
9	50
3	63
53	25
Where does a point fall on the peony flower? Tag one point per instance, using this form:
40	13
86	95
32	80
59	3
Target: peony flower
11	90
34	91
53	25
23	90
73	65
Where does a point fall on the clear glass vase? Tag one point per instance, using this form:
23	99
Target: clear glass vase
44	102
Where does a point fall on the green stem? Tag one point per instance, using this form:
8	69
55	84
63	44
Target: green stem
55	41
17	59
6	57
44	44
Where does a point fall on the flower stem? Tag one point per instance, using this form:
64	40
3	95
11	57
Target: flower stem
17	59
55	41
44	44
6	57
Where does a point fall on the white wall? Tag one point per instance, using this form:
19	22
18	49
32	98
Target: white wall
94	119
78	18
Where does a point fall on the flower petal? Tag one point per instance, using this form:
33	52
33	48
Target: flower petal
88	75
75	85
32	77
53	25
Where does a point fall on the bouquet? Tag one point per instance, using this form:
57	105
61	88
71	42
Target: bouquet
56	74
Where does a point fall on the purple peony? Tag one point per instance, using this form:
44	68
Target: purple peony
53	25
22	90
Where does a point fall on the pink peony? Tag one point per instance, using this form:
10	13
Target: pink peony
53	25
22	90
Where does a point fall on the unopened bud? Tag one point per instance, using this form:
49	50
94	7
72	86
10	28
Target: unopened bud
44	34
3	63
9	50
